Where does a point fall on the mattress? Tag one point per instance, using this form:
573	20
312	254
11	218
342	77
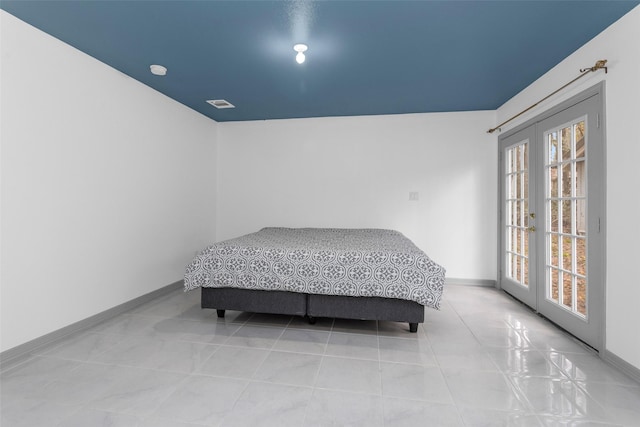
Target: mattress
324	261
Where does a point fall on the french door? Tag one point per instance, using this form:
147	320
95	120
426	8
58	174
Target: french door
552	211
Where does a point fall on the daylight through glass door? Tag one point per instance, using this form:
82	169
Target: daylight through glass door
517	213
566	222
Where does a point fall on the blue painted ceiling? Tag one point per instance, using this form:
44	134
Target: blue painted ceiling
364	57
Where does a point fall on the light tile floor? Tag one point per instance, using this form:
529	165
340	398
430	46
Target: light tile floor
483	360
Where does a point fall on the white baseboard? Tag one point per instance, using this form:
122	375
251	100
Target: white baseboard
621	364
470	282
15	354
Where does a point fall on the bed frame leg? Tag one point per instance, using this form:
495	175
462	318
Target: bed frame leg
413	327
311	320
220	313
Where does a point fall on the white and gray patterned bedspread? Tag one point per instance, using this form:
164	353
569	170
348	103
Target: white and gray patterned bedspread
352	262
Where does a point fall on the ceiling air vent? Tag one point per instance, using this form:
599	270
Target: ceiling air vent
221	103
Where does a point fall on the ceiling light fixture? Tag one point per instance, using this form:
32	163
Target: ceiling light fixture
158	70
301	49
221	103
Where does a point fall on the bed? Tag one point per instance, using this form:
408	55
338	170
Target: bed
369	274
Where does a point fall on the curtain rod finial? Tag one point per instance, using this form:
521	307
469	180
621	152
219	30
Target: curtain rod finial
600	64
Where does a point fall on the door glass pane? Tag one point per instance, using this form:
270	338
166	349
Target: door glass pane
581	290
580	140
566	180
509	162
553	216
567	253
566	222
553	147
581	217
567	290
553	181
554	247
579	182
566	144
581	258
566	216
553	280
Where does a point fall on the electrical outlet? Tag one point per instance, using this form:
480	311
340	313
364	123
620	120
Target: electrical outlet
414	196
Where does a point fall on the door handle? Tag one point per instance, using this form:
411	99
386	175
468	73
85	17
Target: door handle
532	228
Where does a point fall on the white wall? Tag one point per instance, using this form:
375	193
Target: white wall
106	185
620	45
358	172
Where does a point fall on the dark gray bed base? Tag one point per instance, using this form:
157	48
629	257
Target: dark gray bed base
312	306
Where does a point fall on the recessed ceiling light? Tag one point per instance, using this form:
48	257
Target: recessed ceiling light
158	70
301	49
221	103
